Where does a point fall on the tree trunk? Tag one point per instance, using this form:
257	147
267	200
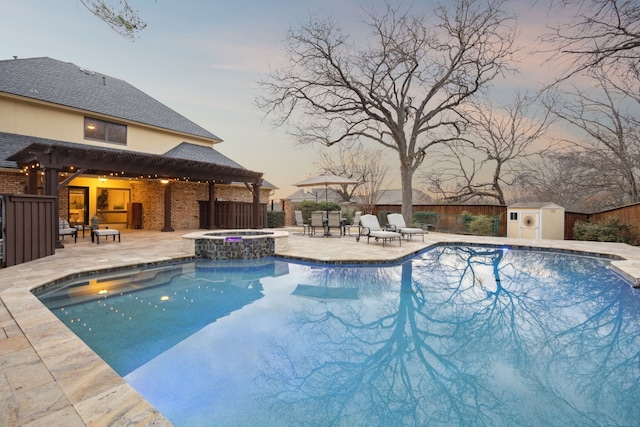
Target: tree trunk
406	179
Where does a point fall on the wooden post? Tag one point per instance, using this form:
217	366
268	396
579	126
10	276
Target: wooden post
167	208
32	186
255	216
212	206
51	189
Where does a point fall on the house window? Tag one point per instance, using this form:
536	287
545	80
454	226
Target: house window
513	216
100	130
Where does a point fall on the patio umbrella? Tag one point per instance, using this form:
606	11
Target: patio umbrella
326	180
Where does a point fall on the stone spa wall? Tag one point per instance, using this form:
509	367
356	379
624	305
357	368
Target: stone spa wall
236	244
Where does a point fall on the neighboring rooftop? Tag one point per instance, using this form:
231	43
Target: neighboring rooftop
66	84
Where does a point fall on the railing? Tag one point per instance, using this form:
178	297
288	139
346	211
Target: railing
232	215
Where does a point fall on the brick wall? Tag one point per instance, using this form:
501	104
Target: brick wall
184	203
236	194
13	183
185	211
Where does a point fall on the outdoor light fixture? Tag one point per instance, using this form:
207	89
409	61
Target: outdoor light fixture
164	181
103	292
102	179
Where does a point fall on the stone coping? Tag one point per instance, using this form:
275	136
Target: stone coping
50	376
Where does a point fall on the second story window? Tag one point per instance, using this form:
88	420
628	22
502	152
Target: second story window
100	130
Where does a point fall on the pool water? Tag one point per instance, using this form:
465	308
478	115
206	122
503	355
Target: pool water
455	336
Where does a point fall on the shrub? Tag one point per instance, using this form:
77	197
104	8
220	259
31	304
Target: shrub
609	230
466	218
481	225
426	217
348	214
275	219
308	206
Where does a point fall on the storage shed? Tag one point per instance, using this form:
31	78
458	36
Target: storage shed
539	220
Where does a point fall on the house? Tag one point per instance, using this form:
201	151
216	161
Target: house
107	149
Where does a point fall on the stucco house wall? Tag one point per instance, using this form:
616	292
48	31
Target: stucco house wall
66	124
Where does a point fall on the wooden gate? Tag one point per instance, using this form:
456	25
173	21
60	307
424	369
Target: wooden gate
29	227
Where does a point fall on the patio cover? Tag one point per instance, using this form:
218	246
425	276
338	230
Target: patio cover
81	159
87	159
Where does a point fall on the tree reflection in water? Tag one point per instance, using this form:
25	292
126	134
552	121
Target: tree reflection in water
464	336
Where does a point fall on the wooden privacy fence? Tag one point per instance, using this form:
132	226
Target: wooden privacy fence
450	215
570	219
29	227
629	214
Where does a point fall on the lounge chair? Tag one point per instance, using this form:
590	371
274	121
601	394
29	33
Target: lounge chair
355	223
300	222
64	229
371	228
396	223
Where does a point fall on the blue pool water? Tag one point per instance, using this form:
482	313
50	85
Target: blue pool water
463	336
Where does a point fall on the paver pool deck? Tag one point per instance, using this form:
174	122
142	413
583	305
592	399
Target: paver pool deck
49	377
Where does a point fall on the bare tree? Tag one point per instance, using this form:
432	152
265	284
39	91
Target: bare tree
604	33
488	158
402	88
608	137
357	162
577	180
118	15
376	174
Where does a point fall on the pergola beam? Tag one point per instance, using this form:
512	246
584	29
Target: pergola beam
54	158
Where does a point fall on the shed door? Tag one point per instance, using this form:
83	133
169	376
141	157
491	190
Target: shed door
530	225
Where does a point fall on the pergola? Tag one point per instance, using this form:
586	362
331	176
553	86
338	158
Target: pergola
78	159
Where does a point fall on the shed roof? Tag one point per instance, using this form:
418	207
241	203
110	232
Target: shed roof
66	84
534	205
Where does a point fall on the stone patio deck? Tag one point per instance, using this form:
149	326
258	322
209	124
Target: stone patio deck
49	377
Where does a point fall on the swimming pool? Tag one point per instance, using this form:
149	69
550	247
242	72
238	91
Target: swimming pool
457	335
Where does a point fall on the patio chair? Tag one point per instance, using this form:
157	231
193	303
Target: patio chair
64	229
371	228
355	223
300	222
396	223
334	221
317	221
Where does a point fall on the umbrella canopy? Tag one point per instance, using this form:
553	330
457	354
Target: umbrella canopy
326	180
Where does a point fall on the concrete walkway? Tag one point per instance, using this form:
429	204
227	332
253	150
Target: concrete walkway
49	377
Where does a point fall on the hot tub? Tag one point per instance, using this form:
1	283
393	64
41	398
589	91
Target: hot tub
236	244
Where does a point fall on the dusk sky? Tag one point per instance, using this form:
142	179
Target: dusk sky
203	59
